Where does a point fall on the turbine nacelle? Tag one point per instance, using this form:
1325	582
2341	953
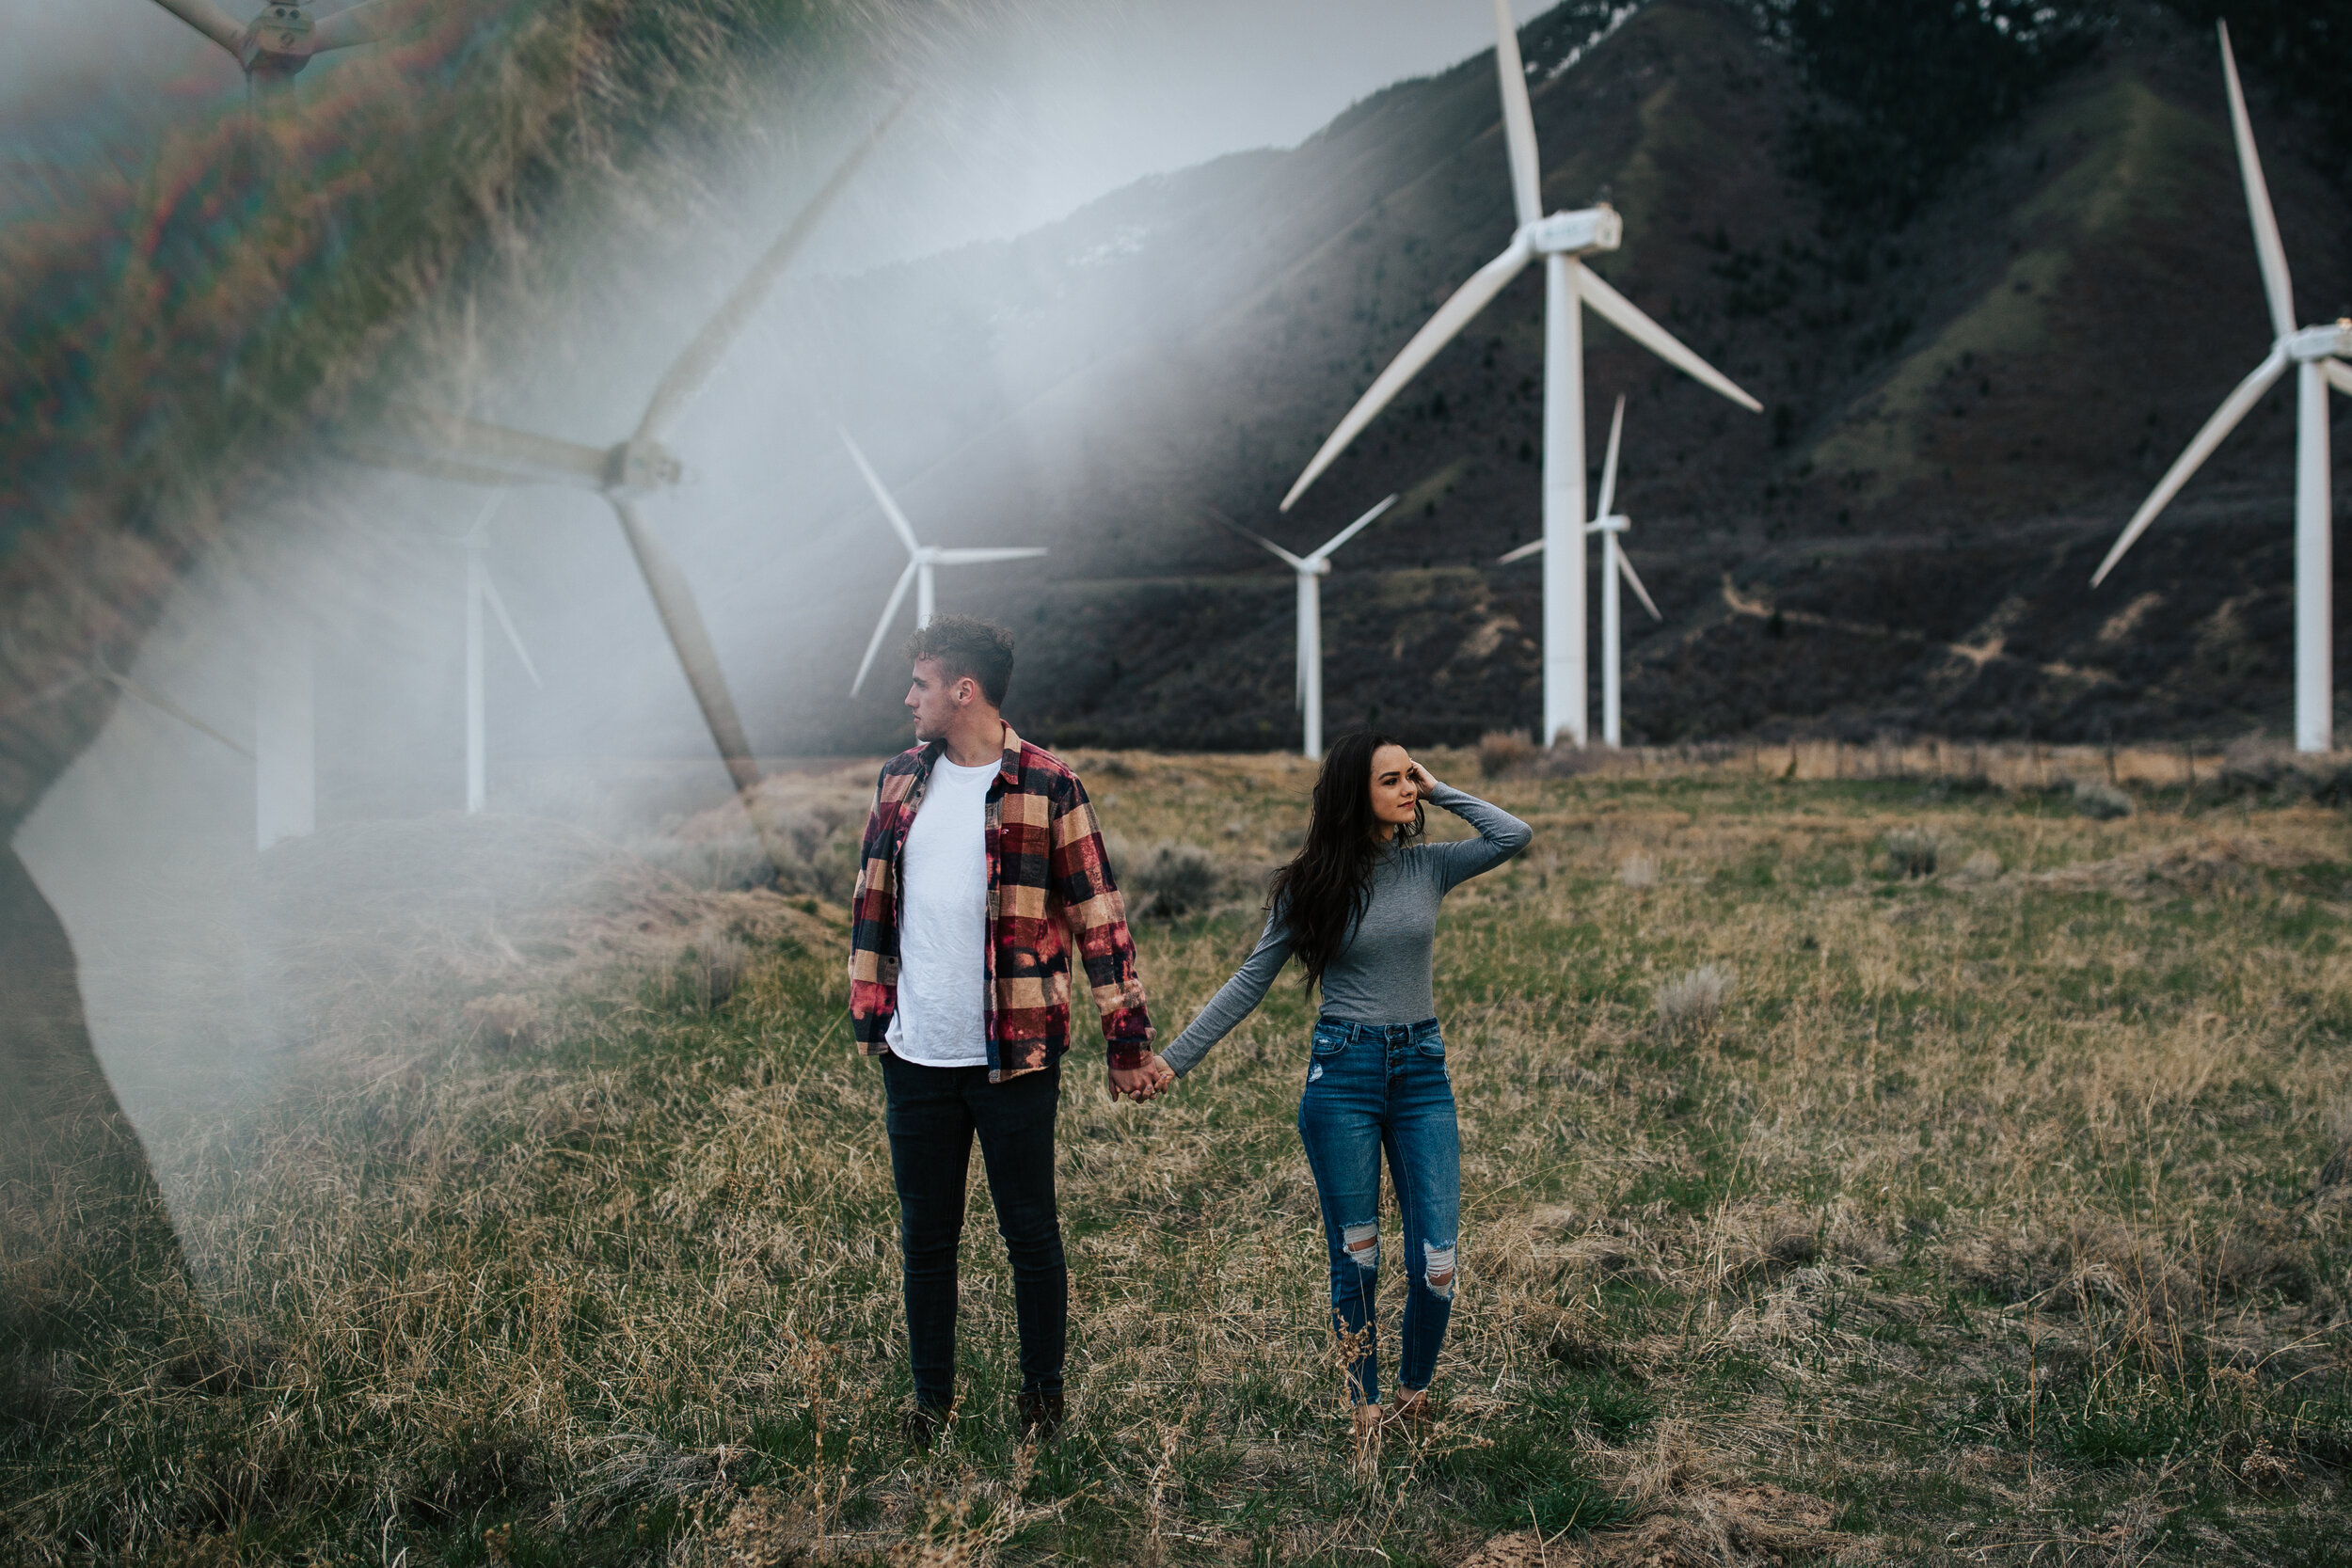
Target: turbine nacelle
1607	525
2333	341
640	463
280	41
1577	233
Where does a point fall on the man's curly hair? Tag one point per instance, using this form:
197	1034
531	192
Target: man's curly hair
967	645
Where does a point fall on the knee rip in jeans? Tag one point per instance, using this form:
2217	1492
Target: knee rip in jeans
1362	1242
1439	1262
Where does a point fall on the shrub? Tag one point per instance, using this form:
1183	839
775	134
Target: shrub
1696	1000
1504	752
1916	851
2101	802
1170	879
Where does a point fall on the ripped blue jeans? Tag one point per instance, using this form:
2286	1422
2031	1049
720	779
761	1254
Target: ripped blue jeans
1372	1088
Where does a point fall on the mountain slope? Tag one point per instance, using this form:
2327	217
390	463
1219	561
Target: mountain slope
1960	415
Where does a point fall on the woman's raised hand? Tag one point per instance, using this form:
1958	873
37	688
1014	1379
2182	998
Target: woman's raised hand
1423	780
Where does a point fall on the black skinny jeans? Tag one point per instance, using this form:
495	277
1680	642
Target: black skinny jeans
933	1111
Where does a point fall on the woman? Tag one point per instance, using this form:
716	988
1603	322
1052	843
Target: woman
1358	907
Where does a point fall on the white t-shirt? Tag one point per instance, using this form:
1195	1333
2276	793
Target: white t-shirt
943	923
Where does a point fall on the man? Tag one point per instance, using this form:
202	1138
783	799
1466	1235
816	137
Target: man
980	851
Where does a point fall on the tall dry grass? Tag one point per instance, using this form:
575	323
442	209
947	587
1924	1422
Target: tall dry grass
1988	1216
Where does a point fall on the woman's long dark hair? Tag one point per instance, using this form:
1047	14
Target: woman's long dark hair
1327	885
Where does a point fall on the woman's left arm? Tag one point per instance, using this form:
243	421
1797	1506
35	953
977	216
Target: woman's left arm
1500	835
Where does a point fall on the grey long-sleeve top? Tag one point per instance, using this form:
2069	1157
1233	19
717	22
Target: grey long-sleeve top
1382	974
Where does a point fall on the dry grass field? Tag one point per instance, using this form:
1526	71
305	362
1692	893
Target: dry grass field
1893	1170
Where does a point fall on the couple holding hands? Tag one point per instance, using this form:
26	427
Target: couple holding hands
982	879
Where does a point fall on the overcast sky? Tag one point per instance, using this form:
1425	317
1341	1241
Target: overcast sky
1068	100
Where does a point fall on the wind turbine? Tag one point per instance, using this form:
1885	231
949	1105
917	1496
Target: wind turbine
921	559
1562	240
480	591
1615	563
477	453
2318	355
273	48
1307	689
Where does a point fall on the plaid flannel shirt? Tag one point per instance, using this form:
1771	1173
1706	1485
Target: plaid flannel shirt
1048	880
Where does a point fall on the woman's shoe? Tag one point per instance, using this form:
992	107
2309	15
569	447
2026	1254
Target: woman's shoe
1370	1419
1412	1411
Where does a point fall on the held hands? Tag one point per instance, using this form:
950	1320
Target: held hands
1140	1083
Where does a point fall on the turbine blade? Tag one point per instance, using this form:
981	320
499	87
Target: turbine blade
882	627
1633	581
1518	120
685	378
1534	547
1453	315
211	21
524	457
2277	286
165	706
975	556
1608	468
1293	562
365	23
2234	409
480	533
430	467
890	508
1627	317
1352	529
506	624
691	639
2339	372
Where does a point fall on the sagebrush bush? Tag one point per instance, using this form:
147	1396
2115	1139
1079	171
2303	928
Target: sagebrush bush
2101	803
1504	752
1170	879
1916	851
1696	1000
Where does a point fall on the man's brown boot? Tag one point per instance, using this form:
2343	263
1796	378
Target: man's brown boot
919	1424
1040	1416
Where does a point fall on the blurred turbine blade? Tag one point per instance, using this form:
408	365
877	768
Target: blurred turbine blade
2272	255
1633	581
975	556
683	621
524	457
882	627
1627	317
1258	539
365	23
1608	468
1352	529
1453	315
165	706
685	378
430	467
480	531
1518	120
2234	409
890	508
2339	372
211	21
1532	546
506	624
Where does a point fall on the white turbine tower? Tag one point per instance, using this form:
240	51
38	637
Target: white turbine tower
921	559
447	445
1306	684
1613	564
275	46
1561	240
2318	355
480	591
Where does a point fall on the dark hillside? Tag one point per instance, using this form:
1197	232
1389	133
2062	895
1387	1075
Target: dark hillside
1960	412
